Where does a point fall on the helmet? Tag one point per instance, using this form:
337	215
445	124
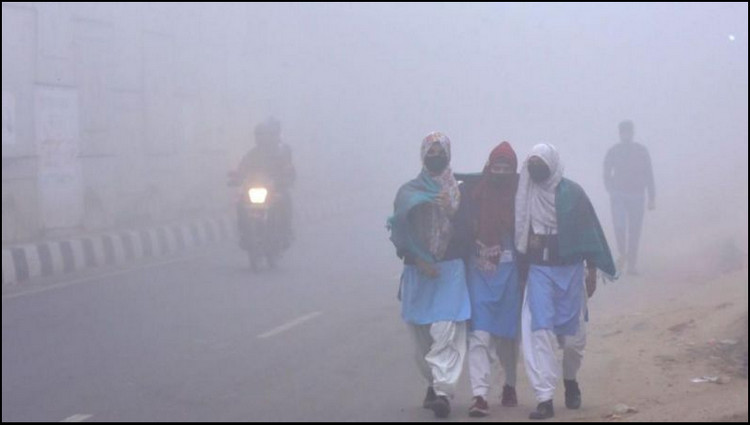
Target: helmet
271	127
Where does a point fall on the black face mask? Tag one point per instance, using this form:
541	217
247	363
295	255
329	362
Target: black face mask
539	172
436	164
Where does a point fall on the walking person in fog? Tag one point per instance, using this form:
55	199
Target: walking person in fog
561	245
493	278
628	178
434	298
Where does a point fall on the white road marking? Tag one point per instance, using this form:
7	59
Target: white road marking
289	325
89	279
79	417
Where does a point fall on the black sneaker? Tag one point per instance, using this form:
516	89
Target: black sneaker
572	394
509	398
441	406
543	410
479	408
429	398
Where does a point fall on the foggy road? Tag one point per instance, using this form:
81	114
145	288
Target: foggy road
123	124
203	338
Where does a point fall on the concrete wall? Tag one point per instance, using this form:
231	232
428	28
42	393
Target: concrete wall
152	127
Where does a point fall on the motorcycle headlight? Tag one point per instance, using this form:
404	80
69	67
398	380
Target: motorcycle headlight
257	195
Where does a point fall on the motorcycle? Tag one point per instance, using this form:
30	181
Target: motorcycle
259	222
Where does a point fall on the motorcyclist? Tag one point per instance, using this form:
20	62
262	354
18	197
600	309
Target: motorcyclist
270	157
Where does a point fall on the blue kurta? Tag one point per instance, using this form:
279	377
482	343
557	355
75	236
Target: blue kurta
495	299
555	296
445	298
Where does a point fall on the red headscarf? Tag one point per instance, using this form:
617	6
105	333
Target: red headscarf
496	201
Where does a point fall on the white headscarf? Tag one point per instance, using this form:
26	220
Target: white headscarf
535	202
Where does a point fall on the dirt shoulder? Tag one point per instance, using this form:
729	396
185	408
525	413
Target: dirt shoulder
651	337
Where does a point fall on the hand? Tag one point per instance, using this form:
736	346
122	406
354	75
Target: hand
590	281
427	269
651	205
443	200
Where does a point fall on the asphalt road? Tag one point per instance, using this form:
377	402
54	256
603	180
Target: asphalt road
202	338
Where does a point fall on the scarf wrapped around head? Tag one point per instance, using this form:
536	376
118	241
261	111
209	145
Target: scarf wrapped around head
560	204
428	239
446	179
496	202
437	229
537	200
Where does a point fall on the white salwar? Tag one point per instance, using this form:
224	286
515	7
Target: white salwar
484	348
440	353
540	357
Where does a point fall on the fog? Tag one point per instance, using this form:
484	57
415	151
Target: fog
120	116
356	87
364	83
